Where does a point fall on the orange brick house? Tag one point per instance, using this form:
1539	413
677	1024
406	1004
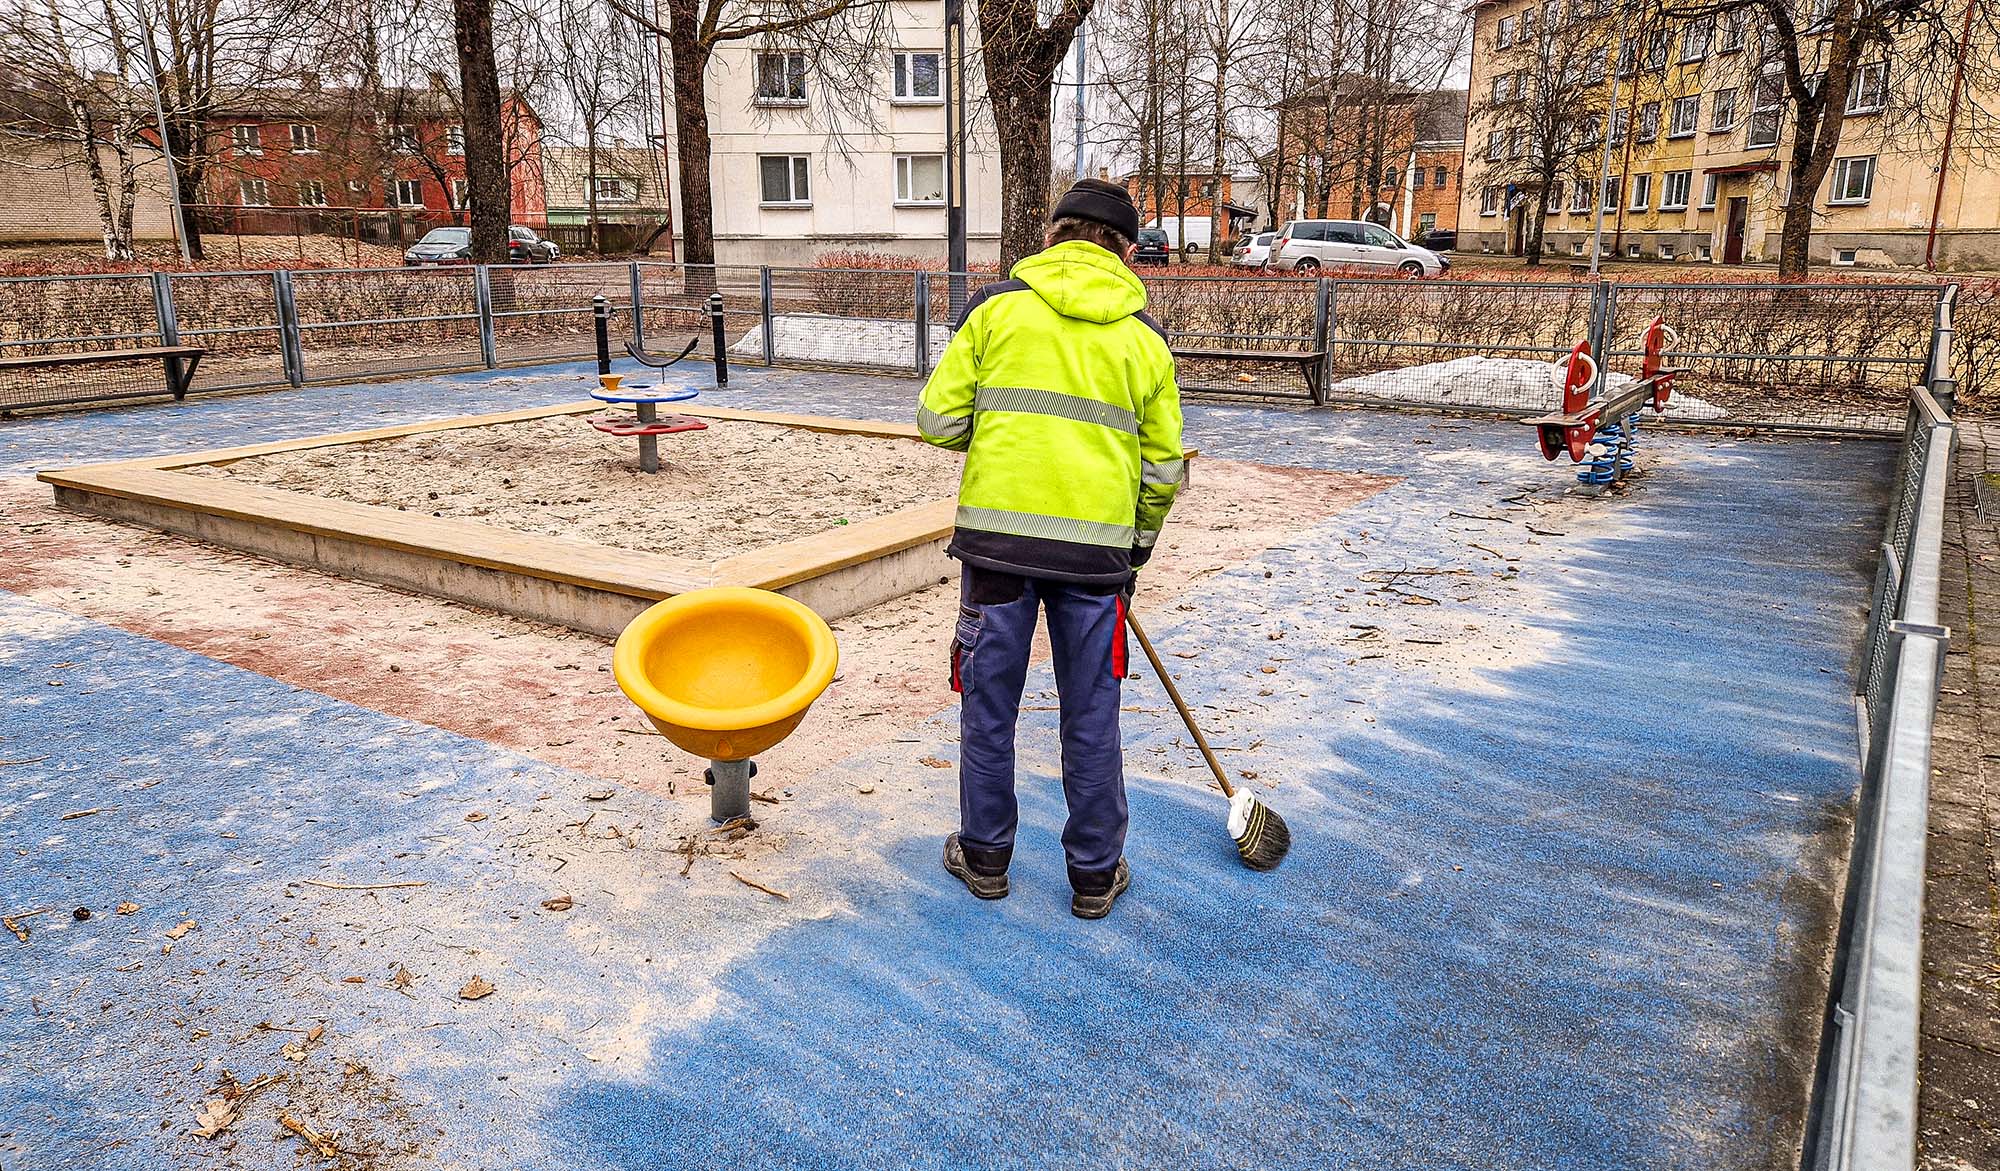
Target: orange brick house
1354	148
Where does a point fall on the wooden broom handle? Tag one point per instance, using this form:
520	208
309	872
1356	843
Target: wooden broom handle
1174	693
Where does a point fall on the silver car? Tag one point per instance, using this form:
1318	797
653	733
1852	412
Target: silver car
1310	245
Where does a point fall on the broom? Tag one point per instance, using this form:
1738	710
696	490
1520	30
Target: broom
1262	837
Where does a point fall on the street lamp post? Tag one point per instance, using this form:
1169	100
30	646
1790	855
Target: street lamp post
954	152
166	145
1604	172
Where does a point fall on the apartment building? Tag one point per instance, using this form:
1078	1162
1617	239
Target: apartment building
1699	144
1387	153
805	163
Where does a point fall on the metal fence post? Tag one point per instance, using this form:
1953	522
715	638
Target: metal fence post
482	302
719	326
1602	309
290	349
1332	336
1938	375
764	310
163	309
638	308
923	299
1322	321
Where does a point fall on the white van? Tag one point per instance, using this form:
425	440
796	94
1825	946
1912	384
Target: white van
1310	245
1187	236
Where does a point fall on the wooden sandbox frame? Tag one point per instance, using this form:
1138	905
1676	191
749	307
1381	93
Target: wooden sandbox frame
593	588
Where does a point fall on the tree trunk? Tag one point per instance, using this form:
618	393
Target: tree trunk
690	64
192	167
1025	161
590	178
485	143
1215	217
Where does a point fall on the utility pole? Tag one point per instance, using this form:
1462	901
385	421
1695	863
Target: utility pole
1950	128
166	146
954	153
1082	33
1604	172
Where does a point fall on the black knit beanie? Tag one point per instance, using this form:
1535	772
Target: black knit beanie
1100	202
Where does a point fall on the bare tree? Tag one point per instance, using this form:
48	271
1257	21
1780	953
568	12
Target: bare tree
1022	55
602	73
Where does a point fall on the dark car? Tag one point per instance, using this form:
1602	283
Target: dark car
1440	240
454	246
1153	247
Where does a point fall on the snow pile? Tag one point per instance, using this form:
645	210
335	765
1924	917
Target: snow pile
1508	383
843	341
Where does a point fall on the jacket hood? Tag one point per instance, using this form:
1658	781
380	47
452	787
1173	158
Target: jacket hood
1078	279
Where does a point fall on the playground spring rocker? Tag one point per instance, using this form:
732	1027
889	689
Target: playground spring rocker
1601	431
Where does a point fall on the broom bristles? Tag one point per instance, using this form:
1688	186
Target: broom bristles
1262	837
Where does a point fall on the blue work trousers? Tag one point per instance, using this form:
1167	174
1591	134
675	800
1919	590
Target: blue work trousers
989	665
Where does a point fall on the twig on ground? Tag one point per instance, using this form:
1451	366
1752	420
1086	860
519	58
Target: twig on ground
360	885
1492	550
755	885
1481	516
23	760
86	812
13	923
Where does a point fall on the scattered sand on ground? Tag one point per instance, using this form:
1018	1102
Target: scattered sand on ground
730	489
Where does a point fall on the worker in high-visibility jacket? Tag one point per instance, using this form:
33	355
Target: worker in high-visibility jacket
1060	391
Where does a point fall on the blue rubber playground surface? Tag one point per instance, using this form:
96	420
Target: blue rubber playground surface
1560	895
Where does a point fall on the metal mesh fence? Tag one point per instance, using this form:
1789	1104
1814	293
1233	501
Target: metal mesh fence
234	316
1834	355
71	315
358	322
1752	353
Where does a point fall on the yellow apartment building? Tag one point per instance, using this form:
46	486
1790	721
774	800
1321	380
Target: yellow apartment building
1699	131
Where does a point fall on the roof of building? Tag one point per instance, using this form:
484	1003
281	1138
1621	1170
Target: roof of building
566	171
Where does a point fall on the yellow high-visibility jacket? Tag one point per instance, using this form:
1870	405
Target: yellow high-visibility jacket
1060	390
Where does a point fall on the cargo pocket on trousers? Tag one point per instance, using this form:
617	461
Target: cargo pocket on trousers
963	640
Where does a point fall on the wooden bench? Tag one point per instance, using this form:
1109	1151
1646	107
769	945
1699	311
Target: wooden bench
179	362
1311	363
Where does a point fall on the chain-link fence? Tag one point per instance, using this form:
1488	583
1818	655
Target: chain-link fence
1864	1103
1835	355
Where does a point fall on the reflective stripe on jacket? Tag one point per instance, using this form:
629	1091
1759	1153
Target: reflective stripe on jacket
1060	390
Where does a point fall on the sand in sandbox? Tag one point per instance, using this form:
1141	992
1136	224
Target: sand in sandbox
730	489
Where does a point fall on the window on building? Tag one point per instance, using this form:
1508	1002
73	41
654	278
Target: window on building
1666	250
1489	201
1767	110
1621	120
781	78
305	138
1416	178
1554	201
454	140
1722	110
1496	145
1427	223
1869	91
1576	248
1695	38
614	189
461	193
1612	187
1853	180
1709	183
1503	88
1735	29
248	139
1593	69
1439	179
1687	117
1517	143
403	139
919	178
312	193
1632	250
1579	199
1704	250
782	179
1391	178
357	188
1642	192
1674	190
255	192
1593	130
918	77
1628	57
1503	33
1649	122
409	193
1656	49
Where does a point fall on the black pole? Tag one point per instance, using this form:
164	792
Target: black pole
954	152
600	315
716	323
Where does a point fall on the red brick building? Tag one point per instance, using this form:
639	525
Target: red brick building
332	148
1387	153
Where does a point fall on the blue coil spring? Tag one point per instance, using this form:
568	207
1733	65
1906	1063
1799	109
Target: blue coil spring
1601	469
1625	460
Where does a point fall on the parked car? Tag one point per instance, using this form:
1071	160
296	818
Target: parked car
1254	251
1153	247
1440	239
1310	245
1187	236
454	246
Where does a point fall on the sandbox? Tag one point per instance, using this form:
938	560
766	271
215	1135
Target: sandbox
535	514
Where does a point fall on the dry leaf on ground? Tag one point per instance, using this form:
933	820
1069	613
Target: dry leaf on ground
475	988
558	903
127	908
180	929
933	762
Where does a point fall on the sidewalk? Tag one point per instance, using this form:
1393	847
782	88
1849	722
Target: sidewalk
1959	1067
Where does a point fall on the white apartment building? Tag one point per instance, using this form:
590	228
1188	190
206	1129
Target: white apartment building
798	172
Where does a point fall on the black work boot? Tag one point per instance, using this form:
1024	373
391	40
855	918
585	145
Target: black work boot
1096	890
984	872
